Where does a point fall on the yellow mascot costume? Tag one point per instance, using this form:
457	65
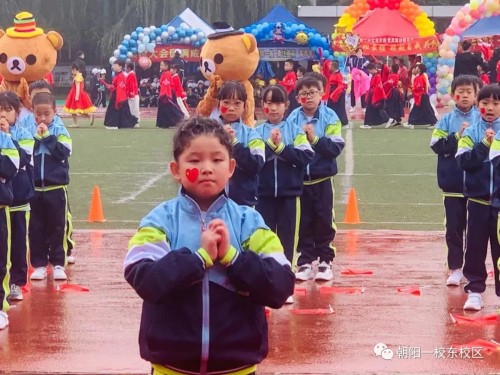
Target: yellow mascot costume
227	55
27	54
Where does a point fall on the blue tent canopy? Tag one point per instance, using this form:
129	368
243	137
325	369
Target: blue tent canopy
193	20
484	27
280	14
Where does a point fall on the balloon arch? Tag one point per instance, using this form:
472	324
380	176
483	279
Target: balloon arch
464	18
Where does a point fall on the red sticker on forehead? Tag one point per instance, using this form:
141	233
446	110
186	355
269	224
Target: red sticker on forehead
457	98
192	174
266	110
303	100
483	111
223	109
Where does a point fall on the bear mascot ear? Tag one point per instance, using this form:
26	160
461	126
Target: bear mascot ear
56	39
250	42
2	33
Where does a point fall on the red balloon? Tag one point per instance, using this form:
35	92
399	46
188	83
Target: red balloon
475	14
462	23
449	32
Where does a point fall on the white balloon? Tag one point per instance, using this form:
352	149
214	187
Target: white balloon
194	38
128	61
126	37
170	30
164	35
112	60
201	35
184	26
145	40
187	40
146	30
158	39
116	53
140	36
129	54
152	28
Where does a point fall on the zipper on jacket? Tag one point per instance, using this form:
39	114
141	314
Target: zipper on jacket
42	170
275	177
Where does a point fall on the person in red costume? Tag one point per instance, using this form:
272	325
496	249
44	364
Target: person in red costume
118	114
422	112
375	112
49	77
288	82
169	114
180	94
133	91
336	90
395	103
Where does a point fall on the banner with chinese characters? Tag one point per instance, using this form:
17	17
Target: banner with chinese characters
167	52
283	53
391	46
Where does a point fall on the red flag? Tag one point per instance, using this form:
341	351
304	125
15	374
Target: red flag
413	290
352	272
340	290
71	288
480	320
312	311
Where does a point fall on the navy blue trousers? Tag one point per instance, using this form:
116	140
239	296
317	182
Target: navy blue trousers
18	247
47	228
482	227
317	223
455	209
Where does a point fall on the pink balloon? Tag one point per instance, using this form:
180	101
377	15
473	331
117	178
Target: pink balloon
145	62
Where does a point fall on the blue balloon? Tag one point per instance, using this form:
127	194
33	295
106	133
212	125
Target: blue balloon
310	35
182	33
259	28
197	43
302	27
133	50
203	40
326	54
125	44
133	35
248	29
323	40
163	28
123	57
123	50
175	36
255	32
132	43
432	70
294	27
189	32
265	24
139	30
146	39
331	58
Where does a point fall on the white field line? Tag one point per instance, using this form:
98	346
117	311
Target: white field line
381	154
114	173
389	174
149	183
349	165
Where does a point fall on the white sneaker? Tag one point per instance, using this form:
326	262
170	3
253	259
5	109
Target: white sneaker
325	272
365	126
4	319
431	127
16	293
474	302
390	123
304	273
59	273
289	300
408	126
70	259
40	273
455	278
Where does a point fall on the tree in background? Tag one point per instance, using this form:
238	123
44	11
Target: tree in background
98	26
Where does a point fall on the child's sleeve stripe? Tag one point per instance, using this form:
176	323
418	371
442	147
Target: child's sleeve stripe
148	243
257	147
266	244
12	154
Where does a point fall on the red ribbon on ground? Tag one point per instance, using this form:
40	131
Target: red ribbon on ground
299	291
340	290
71	288
413	290
352	272
478	320
26	288
312	311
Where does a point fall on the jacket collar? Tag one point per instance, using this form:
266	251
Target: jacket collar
458	111
190	205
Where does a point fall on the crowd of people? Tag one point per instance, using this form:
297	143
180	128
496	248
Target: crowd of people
255	205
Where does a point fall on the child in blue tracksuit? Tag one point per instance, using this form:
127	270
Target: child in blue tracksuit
248	147
482	220
317	226
9	164
450	176
288	152
205	267
49	207
23	189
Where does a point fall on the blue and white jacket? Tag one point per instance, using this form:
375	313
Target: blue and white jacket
52	150
22	184
9	164
28	123
495	161
283	172
201	316
473	156
249	153
327	145
444	143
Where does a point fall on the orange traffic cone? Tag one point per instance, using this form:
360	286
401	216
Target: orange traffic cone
351	210
95	213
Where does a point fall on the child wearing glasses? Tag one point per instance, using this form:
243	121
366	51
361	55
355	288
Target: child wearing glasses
317	227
